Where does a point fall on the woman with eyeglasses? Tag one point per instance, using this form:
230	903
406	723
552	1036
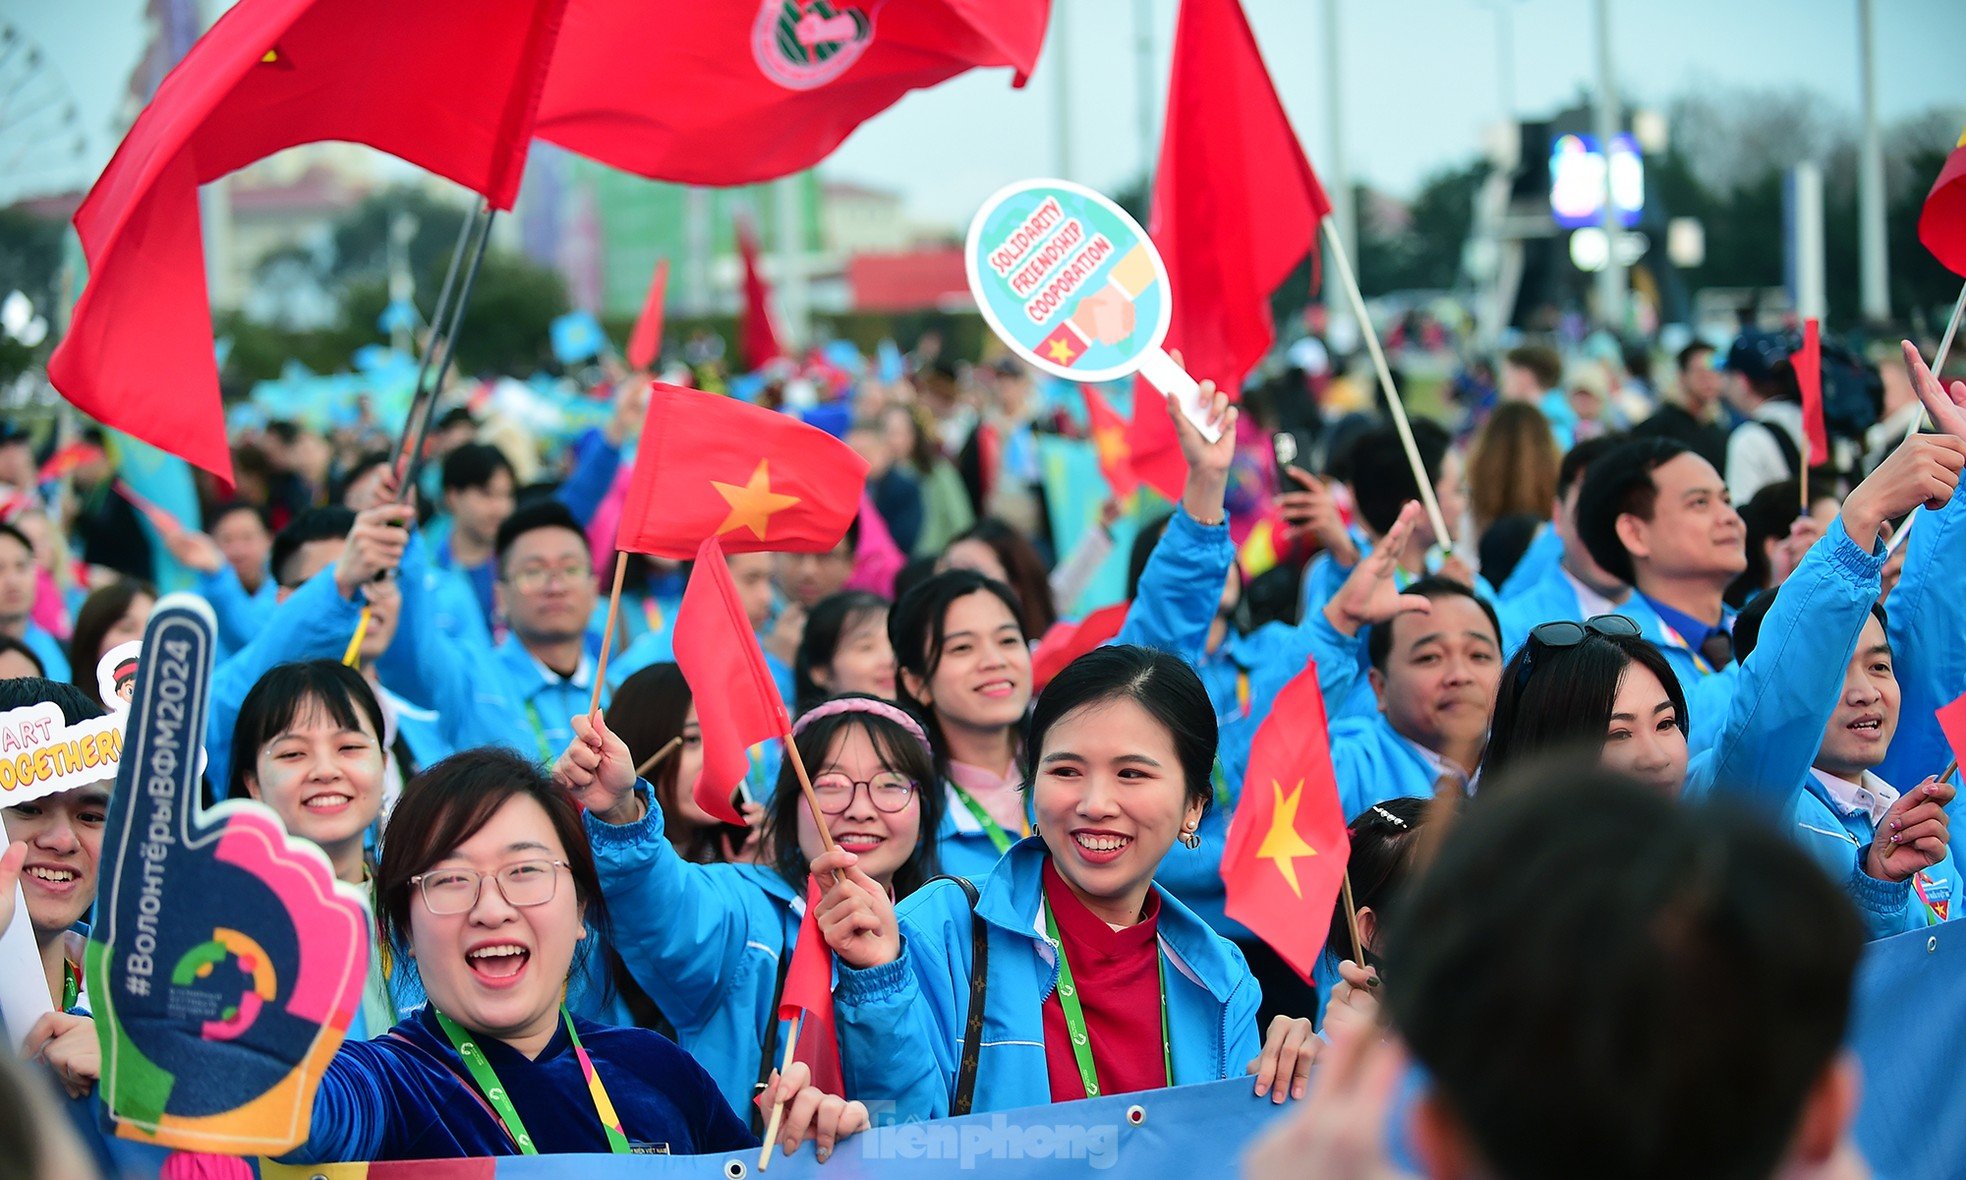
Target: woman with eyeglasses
1069	973
487	883
710	943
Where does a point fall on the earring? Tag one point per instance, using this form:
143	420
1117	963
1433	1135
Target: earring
1191	838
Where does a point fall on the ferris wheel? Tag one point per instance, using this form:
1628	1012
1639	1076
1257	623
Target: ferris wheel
42	144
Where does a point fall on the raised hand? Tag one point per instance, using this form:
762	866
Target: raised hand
1311	508
597	770
855	914
1946	405
1923	472
194	550
1371	594
375	546
1208	462
226	961
1913	835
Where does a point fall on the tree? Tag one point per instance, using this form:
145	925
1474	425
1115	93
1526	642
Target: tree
361	239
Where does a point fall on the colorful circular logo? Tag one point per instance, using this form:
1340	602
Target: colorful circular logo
804	44
1068	280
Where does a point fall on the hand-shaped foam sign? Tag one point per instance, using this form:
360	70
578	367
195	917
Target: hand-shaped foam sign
226	961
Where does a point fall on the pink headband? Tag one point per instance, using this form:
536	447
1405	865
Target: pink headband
878	708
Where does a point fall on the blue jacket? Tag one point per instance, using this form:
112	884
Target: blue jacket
1838	839
47	649
440	674
240	615
1547	598
901	1024
706	943
540	723
1930	660
1708	691
963	846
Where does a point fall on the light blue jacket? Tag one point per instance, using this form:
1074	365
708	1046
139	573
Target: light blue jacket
1544	553
704	941
1839	840
457	706
47	649
963	846
901	1024
240	615
1707	691
540	723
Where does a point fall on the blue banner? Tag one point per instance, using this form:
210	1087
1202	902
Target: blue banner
1908	1030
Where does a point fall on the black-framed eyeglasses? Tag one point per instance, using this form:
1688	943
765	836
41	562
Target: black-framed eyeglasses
887	792
1562	633
521	883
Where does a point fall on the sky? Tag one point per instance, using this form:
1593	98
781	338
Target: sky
1420	80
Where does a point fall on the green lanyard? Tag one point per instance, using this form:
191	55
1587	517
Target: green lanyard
547	754
71	984
1068	999
501	1103
1002	839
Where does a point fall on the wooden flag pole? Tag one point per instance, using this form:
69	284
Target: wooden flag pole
826	841
1351	919
654	760
784	1065
1939	359
1951	769
1398	409
607	636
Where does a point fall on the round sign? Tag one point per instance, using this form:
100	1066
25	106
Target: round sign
1068	280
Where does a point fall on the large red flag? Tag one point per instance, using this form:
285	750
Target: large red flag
1287	848
738	91
809	989
1808	362
756	480
1236	207
1065	642
449	85
645	343
757	336
737	704
1942	222
1109	439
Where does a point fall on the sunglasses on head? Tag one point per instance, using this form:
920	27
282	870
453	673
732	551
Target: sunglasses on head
1564	633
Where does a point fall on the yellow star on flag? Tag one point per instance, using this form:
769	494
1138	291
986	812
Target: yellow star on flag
1110	442
1282	843
1061	351
752	504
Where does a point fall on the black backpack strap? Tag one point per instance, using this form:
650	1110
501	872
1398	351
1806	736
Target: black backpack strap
979	980
1790	452
768	1058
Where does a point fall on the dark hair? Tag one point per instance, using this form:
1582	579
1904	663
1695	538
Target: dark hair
1620	482
832	619
445	805
1024	568
455	416
1380	477
1589	971
18	692
1578	459
915	629
1143	552
285	432
917	571
1685	359
899	752
473	465
329	523
650	708
1558	700
1540	360
360	467
225	508
99	613
9	530
9	644
1162	684
1768	515
1385	843
1379	636
279	698
540	514
1747	624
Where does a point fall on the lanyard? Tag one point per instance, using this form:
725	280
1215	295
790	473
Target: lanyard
1679	641
546	754
501	1103
71	984
1068	1000
991	827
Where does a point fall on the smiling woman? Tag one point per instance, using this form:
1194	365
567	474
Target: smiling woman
1094	979
486	881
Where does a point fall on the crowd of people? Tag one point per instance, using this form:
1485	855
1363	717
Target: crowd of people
1634	744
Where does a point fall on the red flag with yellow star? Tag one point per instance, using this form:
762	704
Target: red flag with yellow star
1286	850
1109	439
1942	220
755	479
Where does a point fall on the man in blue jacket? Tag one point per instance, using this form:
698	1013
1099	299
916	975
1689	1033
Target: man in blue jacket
1564	582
